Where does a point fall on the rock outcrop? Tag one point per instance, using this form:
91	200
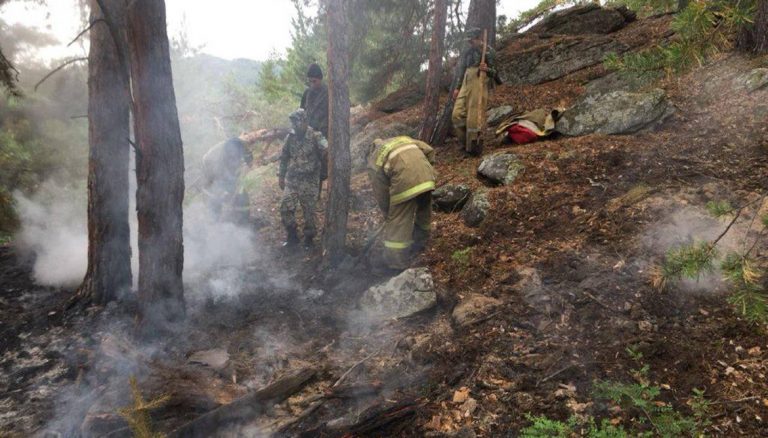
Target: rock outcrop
618	112
586	19
549	60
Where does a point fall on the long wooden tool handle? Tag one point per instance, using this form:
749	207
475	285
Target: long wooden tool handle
480	100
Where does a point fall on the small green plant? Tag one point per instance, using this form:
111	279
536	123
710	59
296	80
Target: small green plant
719	209
137	415
655	418
462	257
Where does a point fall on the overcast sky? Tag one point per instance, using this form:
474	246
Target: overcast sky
225	28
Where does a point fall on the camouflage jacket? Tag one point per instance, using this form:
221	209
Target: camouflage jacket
302	156
471	57
315	103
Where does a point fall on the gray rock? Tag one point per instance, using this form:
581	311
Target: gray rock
474	307
586	19
451	197
619	82
497	115
217	358
501	168
476	210
617	112
549	61
377	129
406	294
755	79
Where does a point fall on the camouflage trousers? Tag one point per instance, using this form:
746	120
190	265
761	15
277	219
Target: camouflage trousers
304	194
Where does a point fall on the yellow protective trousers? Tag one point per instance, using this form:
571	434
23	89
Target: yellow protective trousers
406	229
469	109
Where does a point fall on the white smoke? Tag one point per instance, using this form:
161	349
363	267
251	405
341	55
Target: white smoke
54	230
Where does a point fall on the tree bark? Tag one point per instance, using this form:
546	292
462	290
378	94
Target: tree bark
435	71
159	167
335	233
482	15
109	242
760	33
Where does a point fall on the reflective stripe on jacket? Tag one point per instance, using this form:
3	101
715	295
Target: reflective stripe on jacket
400	169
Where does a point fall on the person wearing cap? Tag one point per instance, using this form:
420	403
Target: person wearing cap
299	177
315	100
401	173
469	92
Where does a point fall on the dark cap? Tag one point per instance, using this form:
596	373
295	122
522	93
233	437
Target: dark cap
315	71
473	33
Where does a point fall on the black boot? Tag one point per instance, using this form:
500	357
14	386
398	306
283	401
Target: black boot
292	238
309	241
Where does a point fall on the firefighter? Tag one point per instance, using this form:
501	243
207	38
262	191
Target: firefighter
401	173
470	92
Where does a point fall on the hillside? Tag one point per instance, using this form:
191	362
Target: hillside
546	280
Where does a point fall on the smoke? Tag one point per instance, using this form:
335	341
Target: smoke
687	225
54	232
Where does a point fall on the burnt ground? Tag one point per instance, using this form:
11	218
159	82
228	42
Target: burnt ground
569	251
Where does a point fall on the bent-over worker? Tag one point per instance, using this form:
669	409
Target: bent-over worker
401	173
222	168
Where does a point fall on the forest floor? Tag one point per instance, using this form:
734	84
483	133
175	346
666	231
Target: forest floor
568	251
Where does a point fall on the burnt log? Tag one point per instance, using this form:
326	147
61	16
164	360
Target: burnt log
245	408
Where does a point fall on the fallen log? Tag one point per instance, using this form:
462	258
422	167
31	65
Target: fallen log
245	408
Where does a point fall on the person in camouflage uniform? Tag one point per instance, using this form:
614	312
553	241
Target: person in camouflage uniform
315	100
470	93
299	177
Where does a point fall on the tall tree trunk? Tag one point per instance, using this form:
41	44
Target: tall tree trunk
760	34
335	233
109	240
482	15
159	166
435	72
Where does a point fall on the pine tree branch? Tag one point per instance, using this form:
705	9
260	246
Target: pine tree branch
71	61
82	32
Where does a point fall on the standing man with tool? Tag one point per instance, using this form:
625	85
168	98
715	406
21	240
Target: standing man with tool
299	177
315	100
475	67
401	173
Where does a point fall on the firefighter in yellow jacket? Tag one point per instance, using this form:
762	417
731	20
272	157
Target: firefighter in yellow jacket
401	173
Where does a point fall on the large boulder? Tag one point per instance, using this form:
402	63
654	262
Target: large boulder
618	112
585	19
501	168
548	61
377	129
451	197
476	210
406	294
